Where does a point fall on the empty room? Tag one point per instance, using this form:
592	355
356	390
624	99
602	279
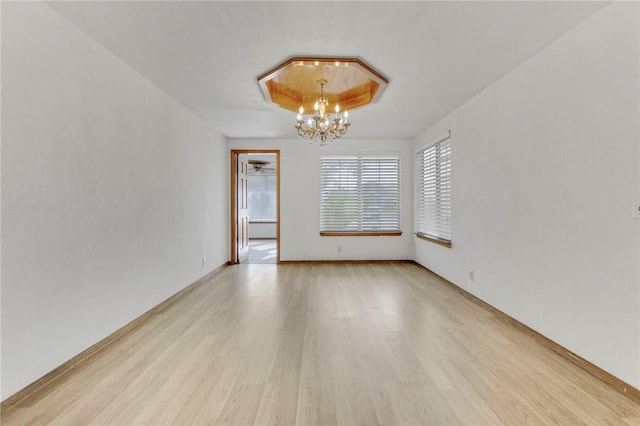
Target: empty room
327	213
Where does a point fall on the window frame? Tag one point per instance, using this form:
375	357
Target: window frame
442	210
361	176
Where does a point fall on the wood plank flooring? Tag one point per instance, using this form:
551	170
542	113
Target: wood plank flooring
327	344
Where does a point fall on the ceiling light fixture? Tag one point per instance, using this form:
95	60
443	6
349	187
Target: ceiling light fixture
321	124
345	84
258	165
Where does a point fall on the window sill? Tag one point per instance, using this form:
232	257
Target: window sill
361	234
434	240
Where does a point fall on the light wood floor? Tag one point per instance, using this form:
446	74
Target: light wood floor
327	344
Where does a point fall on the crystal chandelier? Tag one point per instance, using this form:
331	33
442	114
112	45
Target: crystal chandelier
321	124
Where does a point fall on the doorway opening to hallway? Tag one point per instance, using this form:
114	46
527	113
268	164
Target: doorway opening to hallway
255	206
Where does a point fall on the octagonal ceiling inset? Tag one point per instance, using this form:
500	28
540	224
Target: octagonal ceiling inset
351	83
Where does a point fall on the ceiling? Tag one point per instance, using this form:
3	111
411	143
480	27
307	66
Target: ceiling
437	55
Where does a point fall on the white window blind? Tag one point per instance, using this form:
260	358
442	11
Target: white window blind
434	190
360	194
262	197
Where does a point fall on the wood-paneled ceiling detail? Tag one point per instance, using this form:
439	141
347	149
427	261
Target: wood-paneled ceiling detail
350	82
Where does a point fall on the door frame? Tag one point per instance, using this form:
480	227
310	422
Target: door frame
233	167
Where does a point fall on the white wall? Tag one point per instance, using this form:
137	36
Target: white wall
545	172
262	230
111	194
300	200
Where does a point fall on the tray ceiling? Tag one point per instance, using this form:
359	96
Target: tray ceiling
437	55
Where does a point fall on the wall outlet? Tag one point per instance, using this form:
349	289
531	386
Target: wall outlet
339	249
204	261
472	275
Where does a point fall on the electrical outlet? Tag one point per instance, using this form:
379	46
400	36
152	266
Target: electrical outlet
339	249
472	275
204	261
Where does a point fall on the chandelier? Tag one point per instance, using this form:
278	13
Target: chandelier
321	124
293	85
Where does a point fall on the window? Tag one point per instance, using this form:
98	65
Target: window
434	192
262	197
360	195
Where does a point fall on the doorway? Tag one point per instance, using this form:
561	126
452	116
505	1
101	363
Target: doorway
255	206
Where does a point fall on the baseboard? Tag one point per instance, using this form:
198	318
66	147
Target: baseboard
290	262
50	379
605	376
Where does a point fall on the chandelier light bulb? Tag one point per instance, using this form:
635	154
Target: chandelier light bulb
301	110
337	109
